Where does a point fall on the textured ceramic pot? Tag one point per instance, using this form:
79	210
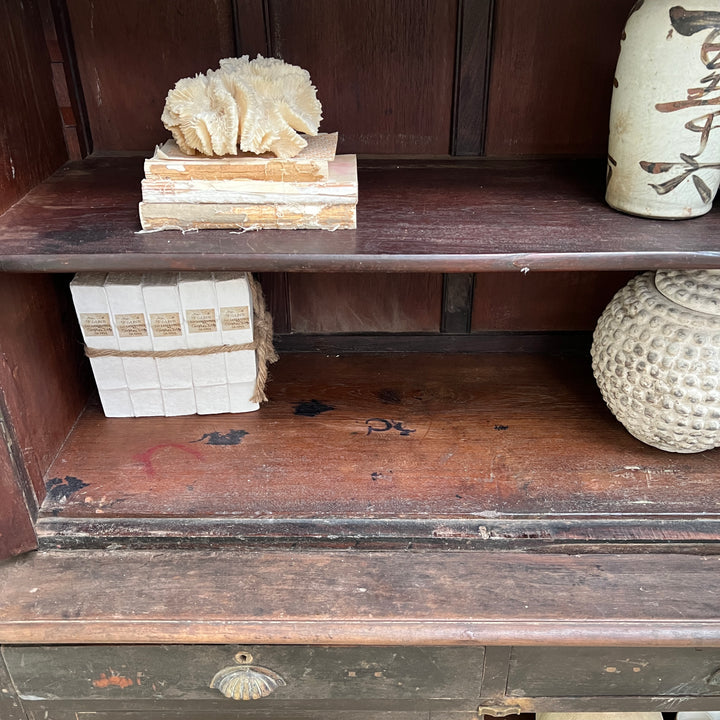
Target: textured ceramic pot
664	146
656	358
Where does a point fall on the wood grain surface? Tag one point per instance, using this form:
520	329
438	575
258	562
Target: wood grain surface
129	57
356	303
31	140
543	301
383	68
551	79
363	598
42	374
448	446
458	216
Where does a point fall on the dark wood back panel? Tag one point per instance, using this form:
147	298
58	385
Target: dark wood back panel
383	68
131	52
342	302
551	79
543	301
31	138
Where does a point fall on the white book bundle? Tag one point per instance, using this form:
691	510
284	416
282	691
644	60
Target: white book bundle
316	189
174	343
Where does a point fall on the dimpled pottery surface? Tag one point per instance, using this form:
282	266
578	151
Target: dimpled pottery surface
656	359
664	145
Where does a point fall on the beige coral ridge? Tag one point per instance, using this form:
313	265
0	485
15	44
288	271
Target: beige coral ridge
259	105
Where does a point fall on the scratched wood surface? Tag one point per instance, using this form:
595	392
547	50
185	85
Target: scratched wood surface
364	598
387	437
337	677
459	216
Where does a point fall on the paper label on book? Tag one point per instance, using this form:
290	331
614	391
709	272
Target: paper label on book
165	324
96	324
235	318
201	321
131	325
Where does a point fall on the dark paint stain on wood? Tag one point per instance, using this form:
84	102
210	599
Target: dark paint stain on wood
62	488
389	396
231	437
312	408
383	425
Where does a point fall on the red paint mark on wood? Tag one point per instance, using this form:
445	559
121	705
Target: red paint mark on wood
112	681
146	458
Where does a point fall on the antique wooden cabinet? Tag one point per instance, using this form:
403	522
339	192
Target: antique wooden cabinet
435	515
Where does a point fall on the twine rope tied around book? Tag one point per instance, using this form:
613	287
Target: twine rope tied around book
262	344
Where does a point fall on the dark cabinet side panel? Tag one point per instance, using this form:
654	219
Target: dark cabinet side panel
31	140
41	368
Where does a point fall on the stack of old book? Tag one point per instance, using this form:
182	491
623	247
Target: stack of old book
316	189
173	343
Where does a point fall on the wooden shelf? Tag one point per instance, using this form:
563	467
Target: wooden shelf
443	216
363	598
384	449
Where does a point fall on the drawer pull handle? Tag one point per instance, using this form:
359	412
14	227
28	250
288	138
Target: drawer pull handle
246	681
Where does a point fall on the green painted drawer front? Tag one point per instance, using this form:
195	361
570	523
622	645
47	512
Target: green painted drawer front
183	673
576	672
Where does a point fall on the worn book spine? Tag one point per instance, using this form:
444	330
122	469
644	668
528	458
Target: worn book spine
189	216
162	303
274	170
93	312
341	187
130	323
311	165
236	327
200	313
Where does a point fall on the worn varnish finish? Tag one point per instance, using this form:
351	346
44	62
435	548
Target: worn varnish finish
383	68
31	140
458	216
341	302
547	671
471	76
379	677
129	58
363	598
543	301
551	78
19	505
9	704
468	447
41	369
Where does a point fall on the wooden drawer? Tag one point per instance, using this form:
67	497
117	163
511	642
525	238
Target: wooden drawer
576	672
392	678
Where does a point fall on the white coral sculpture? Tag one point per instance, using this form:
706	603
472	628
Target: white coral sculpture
259	105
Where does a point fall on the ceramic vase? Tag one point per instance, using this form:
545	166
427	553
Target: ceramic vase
664	146
656	358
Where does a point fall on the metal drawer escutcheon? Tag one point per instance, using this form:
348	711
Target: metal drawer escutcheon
246	681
